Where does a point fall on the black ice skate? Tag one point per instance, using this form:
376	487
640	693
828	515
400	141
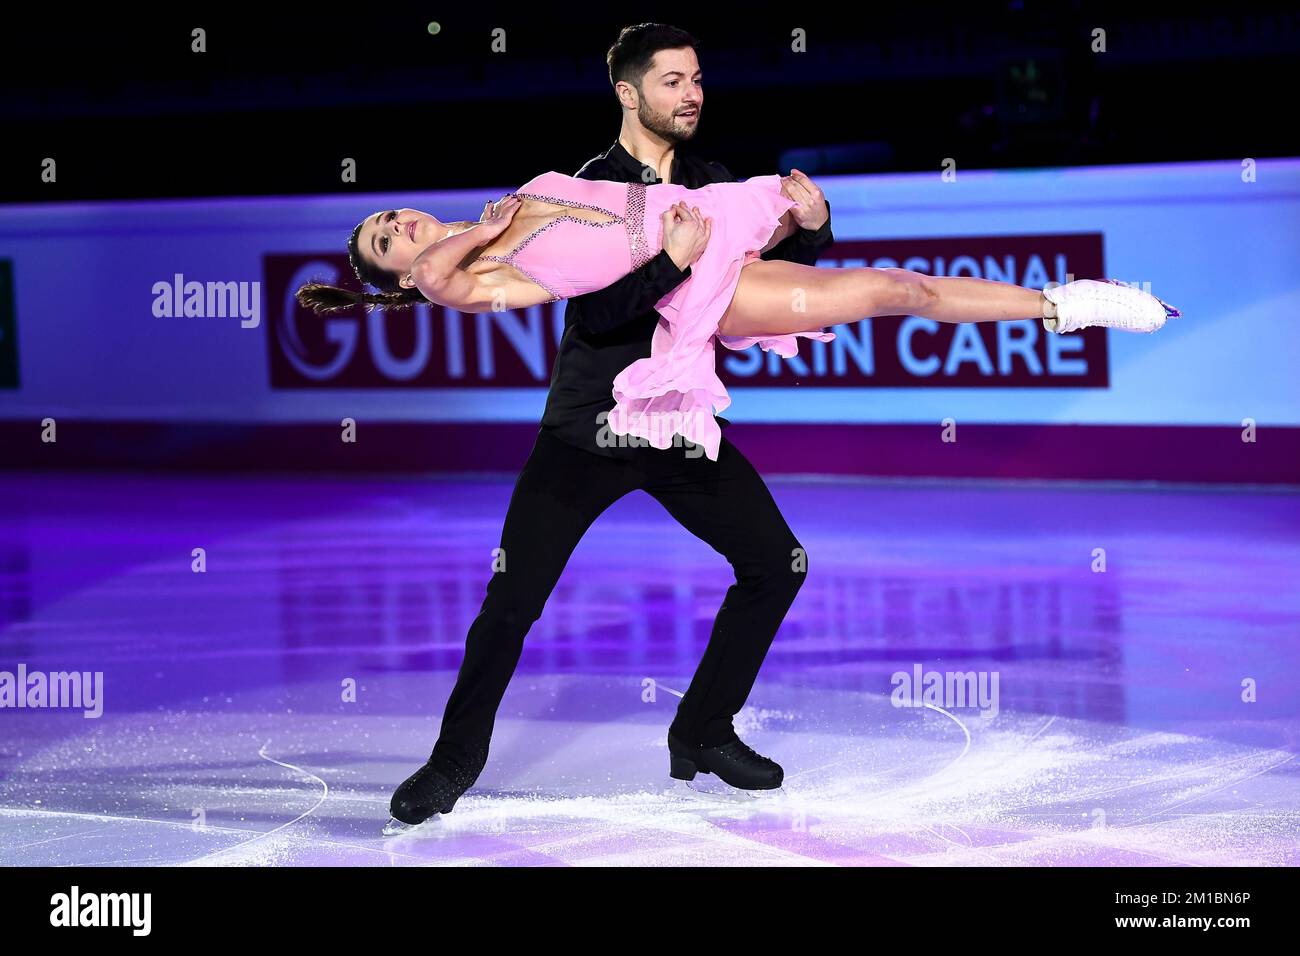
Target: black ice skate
733	762
430	790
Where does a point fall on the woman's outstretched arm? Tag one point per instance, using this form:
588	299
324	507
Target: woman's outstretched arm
439	264
437	271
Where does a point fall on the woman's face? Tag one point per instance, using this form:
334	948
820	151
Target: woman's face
393	238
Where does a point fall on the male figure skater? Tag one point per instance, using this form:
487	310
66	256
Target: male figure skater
577	468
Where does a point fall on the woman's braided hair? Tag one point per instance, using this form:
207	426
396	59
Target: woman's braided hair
324	299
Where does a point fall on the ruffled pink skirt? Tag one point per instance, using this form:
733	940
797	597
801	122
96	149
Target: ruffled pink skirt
677	390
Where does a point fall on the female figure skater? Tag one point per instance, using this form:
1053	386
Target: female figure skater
560	236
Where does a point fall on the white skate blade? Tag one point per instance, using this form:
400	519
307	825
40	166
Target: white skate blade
729	795
1170	311
395	827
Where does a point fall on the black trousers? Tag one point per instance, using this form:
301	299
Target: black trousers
559	494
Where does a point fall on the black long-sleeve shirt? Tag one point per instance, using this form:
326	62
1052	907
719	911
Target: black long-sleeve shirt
607	330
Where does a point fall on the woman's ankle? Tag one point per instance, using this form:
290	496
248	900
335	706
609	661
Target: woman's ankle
1049	313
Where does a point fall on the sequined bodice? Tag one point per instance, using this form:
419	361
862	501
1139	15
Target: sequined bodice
571	255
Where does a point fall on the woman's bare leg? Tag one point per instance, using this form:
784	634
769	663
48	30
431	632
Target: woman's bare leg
776	297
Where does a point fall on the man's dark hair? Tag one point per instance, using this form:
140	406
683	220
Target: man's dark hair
635	49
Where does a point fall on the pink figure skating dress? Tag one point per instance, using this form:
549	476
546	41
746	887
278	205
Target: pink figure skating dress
676	389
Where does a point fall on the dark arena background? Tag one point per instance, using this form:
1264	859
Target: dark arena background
248	550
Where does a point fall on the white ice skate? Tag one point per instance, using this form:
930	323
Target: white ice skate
1109	303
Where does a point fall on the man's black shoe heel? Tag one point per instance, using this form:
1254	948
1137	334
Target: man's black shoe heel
733	762
681	768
